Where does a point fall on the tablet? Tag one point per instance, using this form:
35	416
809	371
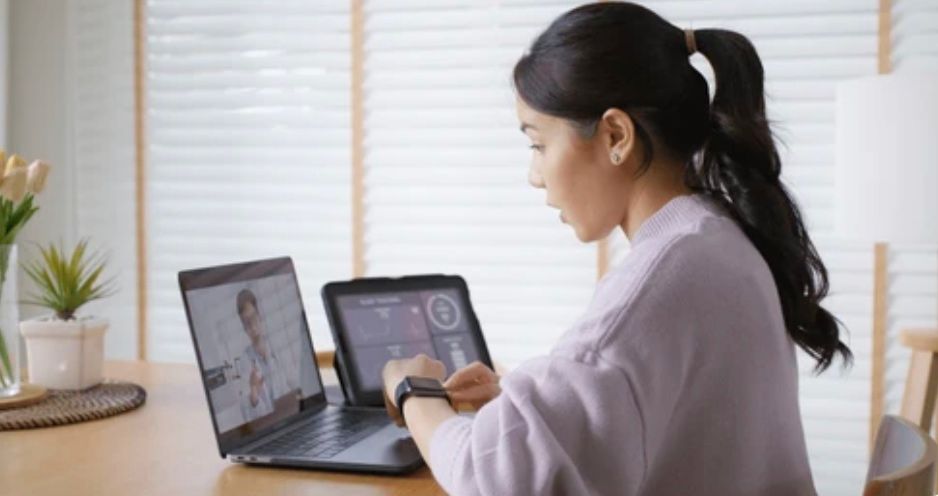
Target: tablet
374	320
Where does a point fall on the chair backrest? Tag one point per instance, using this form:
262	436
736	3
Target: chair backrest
903	461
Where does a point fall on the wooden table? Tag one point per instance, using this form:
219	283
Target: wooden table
166	447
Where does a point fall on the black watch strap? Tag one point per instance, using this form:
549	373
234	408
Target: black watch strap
417	386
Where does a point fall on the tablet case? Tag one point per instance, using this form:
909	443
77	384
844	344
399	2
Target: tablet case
342	362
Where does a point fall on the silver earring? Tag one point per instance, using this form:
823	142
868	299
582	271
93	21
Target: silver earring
615	158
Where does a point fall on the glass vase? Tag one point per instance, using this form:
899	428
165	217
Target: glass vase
9	323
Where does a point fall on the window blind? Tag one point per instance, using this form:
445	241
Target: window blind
101	143
248	140
915	35
446	168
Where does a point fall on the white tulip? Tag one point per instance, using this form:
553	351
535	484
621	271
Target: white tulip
15	162
13	186
36	176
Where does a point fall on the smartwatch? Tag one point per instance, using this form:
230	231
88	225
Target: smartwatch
417	386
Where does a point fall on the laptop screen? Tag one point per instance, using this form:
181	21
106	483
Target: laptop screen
253	346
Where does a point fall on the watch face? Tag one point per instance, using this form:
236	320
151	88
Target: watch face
424	383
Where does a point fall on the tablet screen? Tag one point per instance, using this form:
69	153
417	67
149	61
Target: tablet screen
384	326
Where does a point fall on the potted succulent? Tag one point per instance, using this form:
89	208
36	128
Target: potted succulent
63	350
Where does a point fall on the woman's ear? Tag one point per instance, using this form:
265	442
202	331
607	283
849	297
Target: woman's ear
617	132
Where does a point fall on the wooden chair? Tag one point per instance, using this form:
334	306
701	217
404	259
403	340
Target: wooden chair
921	385
903	461
920	396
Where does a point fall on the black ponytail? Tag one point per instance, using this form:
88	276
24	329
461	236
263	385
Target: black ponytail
739	167
622	55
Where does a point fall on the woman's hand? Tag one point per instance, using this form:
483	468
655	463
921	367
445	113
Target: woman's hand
473	385
396	370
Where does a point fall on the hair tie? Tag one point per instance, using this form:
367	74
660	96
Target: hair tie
690	41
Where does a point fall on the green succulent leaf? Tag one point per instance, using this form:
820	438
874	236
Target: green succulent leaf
67	281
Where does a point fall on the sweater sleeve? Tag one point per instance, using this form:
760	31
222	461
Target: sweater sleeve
560	426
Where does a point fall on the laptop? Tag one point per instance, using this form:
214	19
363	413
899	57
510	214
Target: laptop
265	395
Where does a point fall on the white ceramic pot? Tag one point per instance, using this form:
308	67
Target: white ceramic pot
64	354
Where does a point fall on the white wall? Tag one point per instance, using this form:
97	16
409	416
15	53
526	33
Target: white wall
4	69
38	117
71	103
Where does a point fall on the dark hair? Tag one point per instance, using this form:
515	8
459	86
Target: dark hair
246	297
611	54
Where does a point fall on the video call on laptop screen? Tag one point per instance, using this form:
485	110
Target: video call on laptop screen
252	340
385	326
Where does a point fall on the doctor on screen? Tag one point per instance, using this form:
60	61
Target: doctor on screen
264	370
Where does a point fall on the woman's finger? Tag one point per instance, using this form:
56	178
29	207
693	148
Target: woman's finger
470	375
476	395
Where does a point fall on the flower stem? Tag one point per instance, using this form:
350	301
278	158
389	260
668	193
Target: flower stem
6	372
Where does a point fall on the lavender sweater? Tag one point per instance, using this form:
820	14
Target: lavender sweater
678	379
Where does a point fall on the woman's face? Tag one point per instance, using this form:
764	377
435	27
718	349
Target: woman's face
578	174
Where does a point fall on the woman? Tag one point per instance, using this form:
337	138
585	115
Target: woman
680	378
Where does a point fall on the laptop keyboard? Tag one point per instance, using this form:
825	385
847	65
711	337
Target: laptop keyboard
327	435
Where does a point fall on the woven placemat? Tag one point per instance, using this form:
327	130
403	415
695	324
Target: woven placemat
68	407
